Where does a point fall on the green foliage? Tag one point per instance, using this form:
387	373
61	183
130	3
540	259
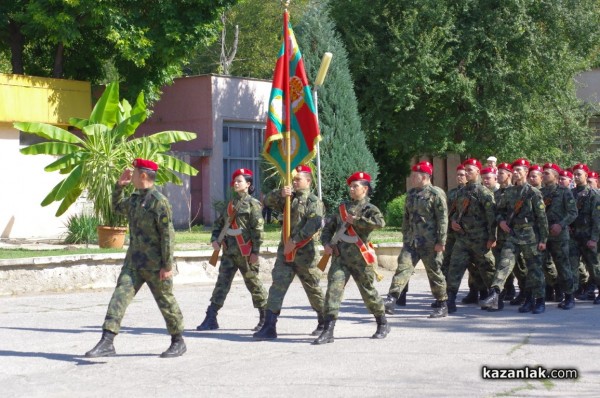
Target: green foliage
471	77
81	228
394	212
94	162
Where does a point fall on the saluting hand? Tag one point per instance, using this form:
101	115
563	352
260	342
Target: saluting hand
125	178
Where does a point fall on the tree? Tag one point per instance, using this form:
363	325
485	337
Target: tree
343	147
473	77
144	44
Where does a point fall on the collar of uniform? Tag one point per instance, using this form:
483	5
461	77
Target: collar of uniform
302	193
360	201
242	196
142	192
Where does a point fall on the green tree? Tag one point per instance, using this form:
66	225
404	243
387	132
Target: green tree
343	147
473	77
143	43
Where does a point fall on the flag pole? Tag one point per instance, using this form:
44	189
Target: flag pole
325	61
287	113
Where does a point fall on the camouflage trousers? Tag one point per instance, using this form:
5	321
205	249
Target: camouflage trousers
129	283
305	266
579	252
230	264
450	241
557	253
350	263
534	281
432	260
519	271
583	276
467	251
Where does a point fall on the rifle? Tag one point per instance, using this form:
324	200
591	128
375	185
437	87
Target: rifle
214	258
333	243
465	205
516	210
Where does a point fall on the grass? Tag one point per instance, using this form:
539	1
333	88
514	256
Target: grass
197	239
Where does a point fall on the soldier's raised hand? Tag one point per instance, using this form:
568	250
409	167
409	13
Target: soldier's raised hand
125	178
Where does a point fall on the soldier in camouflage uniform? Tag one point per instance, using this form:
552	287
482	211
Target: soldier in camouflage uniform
475	225
297	255
561	211
424	231
585	230
241	245
521	214
149	258
354	256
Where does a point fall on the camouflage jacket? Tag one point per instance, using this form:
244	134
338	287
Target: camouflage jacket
560	208
476	212
368	218
151	233
307	213
498	193
425	217
587	223
248	218
522	207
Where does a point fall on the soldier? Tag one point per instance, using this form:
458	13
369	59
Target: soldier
346	235
243	224
149	258
561	211
424	231
491	162
585	230
535	176
461	180
475	225
297	255
593	180
565	178
520	210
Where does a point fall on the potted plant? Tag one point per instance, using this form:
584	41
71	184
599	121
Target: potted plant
94	160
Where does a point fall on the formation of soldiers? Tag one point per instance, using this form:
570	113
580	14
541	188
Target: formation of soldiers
538	225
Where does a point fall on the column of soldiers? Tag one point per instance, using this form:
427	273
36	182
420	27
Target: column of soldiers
539	225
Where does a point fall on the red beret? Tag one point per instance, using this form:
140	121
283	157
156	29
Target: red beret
489	170
552	166
593	174
145	164
472	162
581	166
359	176
505	166
460	167
521	163
241	172
566	173
303	169
423	167
536	167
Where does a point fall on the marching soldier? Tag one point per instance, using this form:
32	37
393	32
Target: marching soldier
297	255
475	225
520	211
241	228
593	180
424	231
535	176
347	236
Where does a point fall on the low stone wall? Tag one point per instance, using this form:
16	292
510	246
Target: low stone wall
96	271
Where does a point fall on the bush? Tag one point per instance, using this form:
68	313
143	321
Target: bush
394	213
82	228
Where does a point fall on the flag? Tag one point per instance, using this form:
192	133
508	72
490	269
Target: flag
304	128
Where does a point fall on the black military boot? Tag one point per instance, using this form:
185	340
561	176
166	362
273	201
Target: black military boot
451	302
520	299
539	306
327	333
390	303
441	310
105	347
590	291
597	299
210	322
549	293
320	326
492	299
383	327
471	297
177	347
500	302
559	295
568	302
261	319
509	287
402	299
578	292
528	304
269	329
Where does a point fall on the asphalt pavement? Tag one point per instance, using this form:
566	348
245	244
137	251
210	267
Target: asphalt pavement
43	338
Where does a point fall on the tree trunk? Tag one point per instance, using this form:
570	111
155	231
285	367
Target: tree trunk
17	43
58	61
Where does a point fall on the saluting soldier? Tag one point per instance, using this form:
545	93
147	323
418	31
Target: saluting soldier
353	256
149	258
475	225
297	256
424	231
521	214
243	224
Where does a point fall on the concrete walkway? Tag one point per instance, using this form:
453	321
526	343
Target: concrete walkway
43	338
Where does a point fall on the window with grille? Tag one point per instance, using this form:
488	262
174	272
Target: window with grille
242	146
